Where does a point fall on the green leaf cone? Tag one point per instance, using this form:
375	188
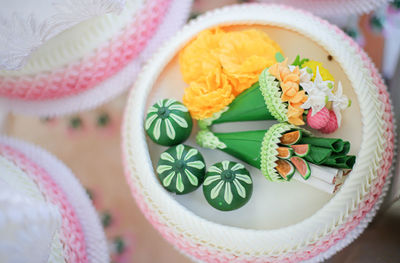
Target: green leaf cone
259	148
248	106
262	101
243	145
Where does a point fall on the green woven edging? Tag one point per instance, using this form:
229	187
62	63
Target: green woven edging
207	139
269	88
207	122
269	148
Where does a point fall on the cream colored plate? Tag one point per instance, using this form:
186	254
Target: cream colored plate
273	205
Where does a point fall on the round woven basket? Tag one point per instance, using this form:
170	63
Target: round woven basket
81	235
72	73
331	8
255	233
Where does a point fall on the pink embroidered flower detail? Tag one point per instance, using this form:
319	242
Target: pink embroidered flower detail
332	124
318	120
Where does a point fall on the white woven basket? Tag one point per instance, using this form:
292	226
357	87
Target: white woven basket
95	240
251	234
113	86
331	8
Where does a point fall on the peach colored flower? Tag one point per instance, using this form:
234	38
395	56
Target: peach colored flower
291	93
289	80
279	70
295	114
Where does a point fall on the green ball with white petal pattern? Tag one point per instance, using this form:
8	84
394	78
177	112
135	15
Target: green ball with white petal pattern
168	122
227	186
181	169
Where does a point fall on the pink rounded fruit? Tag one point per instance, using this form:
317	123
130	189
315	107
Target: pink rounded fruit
319	120
332	124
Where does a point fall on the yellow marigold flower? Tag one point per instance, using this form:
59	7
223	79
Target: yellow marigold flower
199	57
244	55
208	95
219	65
325	74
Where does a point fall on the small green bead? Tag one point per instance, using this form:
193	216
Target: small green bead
106	219
119	245
103	119
227	186
75	122
168	122
181	169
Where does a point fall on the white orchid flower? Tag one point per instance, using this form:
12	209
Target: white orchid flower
305	75
318	91
339	102
316	98
326	86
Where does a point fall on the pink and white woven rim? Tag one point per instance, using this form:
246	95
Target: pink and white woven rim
81	232
91	70
71	230
176	15
336	240
329	8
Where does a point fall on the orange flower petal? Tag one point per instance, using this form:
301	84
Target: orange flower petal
296	121
295	114
219	65
198	57
299	97
244	55
208	95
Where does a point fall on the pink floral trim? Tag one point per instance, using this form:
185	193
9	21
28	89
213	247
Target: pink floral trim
213	255
97	67
72	236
